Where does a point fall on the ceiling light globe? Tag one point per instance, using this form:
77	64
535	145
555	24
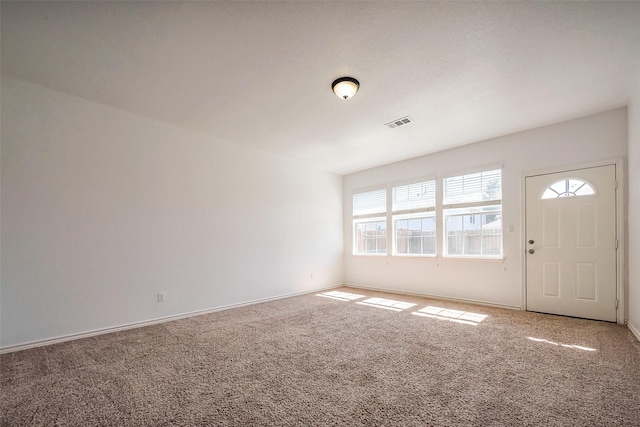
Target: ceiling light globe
345	87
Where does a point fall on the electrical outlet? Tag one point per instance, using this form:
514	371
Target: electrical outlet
161	297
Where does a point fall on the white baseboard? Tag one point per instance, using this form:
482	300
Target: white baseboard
634	330
440	297
102	331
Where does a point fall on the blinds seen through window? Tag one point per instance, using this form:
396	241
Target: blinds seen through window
416	197
370	203
473	188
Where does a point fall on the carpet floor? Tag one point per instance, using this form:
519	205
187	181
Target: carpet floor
347	357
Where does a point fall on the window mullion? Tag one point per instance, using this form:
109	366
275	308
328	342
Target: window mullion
411	211
440	226
369	216
389	217
472	204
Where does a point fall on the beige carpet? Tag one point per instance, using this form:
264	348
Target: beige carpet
317	360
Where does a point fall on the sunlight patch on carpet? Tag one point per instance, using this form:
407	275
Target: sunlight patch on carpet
387	304
577	347
457	316
342	296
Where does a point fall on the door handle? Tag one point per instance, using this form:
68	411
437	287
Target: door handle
531	251
531	242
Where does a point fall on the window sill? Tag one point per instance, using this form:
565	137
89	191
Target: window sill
418	258
371	255
473	258
414	256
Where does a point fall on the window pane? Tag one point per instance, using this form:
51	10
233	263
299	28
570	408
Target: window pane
402	235
575	184
454	232
415	224
559	187
415	234
370	202
550	193
370	237
475	187
414	196
478	234
568	188
585	190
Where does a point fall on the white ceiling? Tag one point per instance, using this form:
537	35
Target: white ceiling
259	73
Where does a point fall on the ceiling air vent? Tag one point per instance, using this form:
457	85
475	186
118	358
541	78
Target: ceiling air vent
399	122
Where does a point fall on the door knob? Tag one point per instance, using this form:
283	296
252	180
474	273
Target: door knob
531	242
531	251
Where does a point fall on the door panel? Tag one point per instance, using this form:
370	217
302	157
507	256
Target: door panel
571	238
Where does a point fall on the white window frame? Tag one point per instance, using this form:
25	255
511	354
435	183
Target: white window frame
548	193
471	206
413	211
364	216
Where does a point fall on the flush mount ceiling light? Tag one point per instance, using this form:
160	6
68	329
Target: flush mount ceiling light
345	87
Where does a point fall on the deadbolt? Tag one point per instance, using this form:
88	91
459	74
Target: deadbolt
531	242
531	251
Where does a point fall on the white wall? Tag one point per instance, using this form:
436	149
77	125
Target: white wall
589	139
634	210
102	209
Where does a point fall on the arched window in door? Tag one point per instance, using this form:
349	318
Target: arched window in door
569	187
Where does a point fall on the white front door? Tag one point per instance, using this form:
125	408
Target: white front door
571	243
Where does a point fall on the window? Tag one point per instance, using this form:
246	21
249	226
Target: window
472	210
569	187
413	218
370	222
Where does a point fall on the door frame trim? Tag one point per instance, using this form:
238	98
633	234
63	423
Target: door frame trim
621	218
